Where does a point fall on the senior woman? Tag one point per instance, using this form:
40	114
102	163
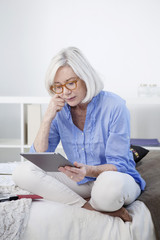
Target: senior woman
93	126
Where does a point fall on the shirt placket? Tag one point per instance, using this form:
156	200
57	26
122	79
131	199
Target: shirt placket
84	137
80	145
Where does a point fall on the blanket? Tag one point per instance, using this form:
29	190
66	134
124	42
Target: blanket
14	215
149	168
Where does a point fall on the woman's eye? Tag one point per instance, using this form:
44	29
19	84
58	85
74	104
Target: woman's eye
58	87
70	84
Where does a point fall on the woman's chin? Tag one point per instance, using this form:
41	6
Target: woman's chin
72	102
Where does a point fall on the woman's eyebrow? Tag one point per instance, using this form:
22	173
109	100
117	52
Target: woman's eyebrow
70	78
65	80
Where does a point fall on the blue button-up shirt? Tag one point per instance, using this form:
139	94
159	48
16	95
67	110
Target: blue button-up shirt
104	139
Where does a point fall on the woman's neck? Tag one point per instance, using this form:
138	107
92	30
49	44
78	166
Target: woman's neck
79	115
80	107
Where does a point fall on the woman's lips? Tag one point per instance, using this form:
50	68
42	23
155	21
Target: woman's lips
70	99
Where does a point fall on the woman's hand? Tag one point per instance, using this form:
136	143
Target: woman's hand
41	141
56	104
81	170
76	173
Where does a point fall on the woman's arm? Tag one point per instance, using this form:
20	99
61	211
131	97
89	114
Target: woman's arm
81	170
41	141
94	171
118	142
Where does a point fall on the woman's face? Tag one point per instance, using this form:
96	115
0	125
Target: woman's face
72	97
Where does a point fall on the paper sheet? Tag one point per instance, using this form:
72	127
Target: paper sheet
6	170
6	180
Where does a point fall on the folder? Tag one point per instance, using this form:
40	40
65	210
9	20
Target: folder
33	121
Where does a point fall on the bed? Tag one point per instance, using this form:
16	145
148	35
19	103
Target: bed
40	219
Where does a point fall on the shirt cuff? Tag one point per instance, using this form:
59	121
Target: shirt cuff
85	180
122	169
32	149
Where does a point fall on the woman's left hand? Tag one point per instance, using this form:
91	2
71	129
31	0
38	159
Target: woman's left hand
76	173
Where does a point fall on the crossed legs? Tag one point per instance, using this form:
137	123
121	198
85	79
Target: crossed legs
109	193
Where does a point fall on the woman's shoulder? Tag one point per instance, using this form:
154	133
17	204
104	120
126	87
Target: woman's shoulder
111	98
112	103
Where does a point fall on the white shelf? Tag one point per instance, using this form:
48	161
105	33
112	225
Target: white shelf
27	146
10	143
43	100
24	100
151	148
143	101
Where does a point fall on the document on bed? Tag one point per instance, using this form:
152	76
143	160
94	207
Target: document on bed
6	170
6	180
49	162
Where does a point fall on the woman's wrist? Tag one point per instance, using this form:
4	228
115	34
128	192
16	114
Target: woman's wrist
94	171
47	119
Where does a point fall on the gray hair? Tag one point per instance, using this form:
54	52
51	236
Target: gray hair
73	57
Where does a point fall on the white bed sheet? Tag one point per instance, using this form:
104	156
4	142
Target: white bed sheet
50	220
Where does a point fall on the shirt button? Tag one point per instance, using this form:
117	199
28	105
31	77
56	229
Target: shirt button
82	149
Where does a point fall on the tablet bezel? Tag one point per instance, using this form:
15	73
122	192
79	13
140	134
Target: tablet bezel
48	161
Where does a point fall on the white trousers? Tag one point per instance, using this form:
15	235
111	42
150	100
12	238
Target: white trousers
109	192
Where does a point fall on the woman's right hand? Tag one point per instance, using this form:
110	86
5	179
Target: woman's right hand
55	105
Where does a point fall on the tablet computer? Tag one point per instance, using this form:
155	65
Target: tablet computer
48	161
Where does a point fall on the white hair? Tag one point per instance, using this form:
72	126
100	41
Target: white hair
73	57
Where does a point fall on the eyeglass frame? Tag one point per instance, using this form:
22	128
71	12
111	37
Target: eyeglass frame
64	85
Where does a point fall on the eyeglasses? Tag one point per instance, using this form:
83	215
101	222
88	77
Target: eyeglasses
70	85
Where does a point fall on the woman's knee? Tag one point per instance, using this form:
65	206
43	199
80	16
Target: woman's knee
107	192
25	174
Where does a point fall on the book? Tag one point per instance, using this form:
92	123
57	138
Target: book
153	142
33	121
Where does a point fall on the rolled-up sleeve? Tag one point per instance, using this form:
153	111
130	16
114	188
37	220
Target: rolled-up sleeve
53	138
32	149
118	142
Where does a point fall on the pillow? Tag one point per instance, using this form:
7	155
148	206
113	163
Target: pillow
138	152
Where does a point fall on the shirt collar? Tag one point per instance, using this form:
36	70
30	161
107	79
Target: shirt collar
90	107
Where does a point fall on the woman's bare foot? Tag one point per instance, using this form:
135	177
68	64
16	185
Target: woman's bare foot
122	212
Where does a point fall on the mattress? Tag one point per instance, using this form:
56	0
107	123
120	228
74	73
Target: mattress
50	220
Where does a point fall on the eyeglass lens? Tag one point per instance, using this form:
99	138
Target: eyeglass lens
71	85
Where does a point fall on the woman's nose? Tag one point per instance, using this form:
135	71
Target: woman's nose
66	91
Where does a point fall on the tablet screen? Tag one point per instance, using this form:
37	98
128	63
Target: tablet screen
49	162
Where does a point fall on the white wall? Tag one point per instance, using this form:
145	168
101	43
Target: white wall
120	38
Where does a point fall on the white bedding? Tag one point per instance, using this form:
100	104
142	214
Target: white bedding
14	218
51	220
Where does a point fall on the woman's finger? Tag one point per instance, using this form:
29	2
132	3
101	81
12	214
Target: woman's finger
76	164
73	169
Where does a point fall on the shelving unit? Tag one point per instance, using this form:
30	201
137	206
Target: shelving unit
20	143
144	101
11	143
